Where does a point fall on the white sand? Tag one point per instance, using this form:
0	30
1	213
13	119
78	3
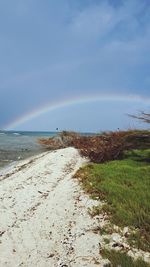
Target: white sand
44	220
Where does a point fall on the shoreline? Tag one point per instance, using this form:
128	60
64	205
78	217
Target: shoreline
8	163
8	167
44	214
17	146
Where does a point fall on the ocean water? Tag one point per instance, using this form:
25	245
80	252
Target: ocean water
15	146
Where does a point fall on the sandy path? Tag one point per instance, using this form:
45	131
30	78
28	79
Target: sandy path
43	214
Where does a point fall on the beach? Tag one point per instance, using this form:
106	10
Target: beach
44	214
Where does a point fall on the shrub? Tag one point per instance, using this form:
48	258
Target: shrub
100	148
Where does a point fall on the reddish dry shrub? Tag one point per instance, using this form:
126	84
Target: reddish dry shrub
100	148
62	140
51	143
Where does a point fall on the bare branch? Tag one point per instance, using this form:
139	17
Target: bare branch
143	116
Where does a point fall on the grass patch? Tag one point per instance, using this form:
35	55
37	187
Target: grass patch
118	258
125	186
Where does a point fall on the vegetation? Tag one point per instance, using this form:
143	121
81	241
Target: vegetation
119	174
103	147
62	140
118	258
111	145
124	186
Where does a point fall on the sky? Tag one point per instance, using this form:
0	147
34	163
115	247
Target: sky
55	51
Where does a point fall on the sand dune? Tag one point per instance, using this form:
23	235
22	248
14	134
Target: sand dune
44	220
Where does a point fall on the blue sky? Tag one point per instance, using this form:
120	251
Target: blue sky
63	49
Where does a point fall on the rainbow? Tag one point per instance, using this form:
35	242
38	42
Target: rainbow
48	107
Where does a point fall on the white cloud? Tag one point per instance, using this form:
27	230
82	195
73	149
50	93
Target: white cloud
103	20
93	22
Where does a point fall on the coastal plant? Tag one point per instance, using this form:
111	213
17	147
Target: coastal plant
121	259
101	147
62	140
123	185
112	145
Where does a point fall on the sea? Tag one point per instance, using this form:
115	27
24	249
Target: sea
19	145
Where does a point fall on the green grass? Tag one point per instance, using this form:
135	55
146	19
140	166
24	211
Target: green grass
118	258
125	186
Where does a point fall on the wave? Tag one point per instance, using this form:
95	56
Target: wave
16	133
